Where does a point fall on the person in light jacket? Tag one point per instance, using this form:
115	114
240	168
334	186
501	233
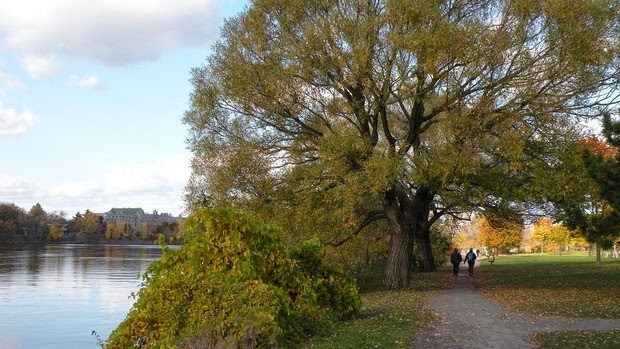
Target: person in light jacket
470	258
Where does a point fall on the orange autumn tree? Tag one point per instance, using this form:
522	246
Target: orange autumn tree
546	232
467	235
498	233
599	147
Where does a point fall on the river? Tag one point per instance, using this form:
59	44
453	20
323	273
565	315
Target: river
67	296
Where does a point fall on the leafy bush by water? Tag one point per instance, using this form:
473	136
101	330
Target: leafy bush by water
235	284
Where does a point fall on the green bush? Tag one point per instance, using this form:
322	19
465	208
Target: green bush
235	284
441	246
335	290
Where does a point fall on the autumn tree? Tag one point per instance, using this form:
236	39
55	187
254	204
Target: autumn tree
542	232
330	115
86	222
55	232
11	221
144	230
11	218
75	223
603	166
35	221
561	237
11	213
57	217
115	230
591	205
499	233
547	232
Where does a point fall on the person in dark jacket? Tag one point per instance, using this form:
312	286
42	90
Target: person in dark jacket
456	259
470	258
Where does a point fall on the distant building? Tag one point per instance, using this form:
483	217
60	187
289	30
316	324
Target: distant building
136	216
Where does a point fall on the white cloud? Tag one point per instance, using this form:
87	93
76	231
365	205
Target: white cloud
8	80
12	187
87	81
75	190
13	123
40	66
165	173
152	186
114	32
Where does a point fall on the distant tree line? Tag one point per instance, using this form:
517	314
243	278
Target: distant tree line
18	226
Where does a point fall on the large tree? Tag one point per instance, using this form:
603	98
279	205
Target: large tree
338	113
593	206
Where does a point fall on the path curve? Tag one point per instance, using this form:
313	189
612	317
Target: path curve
468	319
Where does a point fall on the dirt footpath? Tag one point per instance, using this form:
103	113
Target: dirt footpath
468	319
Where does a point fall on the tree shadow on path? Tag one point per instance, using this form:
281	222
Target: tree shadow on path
468	319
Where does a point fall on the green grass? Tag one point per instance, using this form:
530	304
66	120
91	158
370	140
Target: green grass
387	319
568	285
579	339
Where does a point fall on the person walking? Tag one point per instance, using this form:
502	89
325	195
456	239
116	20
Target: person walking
456	259
470	258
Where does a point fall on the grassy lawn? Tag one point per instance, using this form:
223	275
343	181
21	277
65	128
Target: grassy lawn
568	285
388	318
550	284
579	339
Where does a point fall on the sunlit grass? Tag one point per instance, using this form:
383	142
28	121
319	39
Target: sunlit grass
568	285
388	318
552	284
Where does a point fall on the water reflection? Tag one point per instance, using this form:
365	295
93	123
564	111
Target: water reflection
54	296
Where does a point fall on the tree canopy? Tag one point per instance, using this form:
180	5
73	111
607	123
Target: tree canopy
330	115
499	233
593	207
546	232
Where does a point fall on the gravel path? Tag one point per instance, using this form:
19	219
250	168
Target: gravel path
468	319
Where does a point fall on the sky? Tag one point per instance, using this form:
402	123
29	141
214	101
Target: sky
92	95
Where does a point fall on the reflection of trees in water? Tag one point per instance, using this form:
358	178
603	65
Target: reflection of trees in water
83	261
86	258
53	260
110	259
6	265
34	264
34	258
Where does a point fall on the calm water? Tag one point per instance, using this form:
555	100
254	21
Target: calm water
56	296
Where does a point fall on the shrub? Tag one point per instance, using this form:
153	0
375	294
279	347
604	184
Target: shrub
235	284
441	246
334	288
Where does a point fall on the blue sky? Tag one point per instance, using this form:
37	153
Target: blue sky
91	99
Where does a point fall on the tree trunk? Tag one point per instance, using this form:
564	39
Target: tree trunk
421	213
398	263
396	208
424	249
409	218
367	251
598	253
